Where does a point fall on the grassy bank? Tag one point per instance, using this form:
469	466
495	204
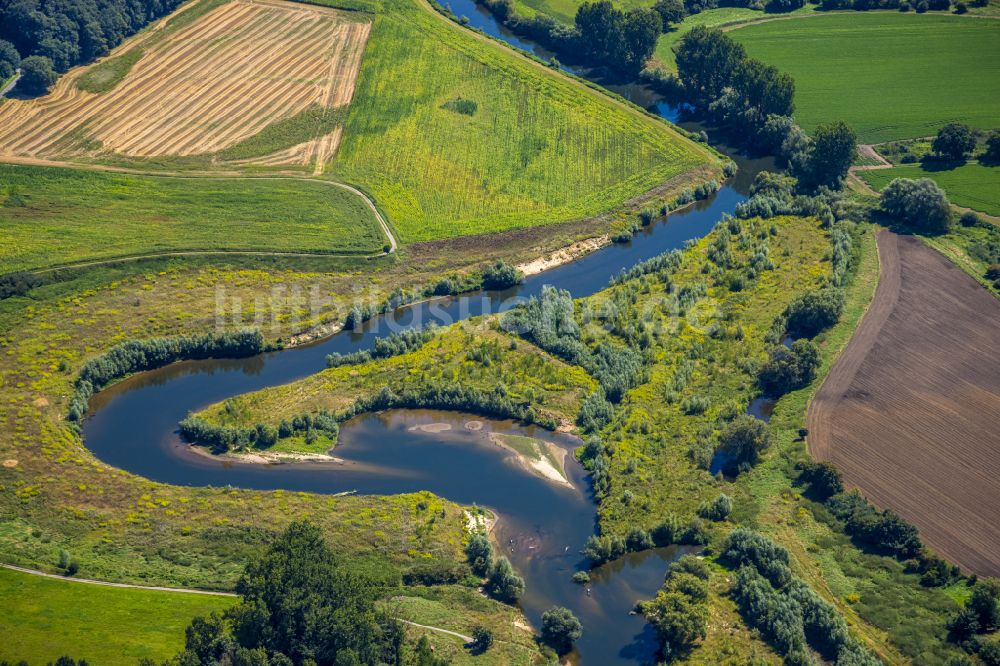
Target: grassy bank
52	216
888	75
537	148
971	185
45	619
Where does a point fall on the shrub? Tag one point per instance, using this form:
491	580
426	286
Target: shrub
969	219
501	276
874	530
718	509
992	153
789	369
823	478
744	438
918	203
813	312
482	639
560	629
504	584
744	546
479	552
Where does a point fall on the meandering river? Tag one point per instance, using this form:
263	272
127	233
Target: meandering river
543	526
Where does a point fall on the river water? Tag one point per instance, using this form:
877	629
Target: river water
132	425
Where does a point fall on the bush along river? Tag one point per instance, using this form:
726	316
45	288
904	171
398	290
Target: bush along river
544	522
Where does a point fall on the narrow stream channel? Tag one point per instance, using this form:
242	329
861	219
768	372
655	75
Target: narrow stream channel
132	426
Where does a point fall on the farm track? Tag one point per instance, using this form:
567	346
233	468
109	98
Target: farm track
386	230
189	590
211	84
911	410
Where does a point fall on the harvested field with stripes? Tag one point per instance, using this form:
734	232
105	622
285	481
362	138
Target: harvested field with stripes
911	410
208	85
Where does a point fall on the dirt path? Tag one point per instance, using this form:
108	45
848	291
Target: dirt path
392	243
467	639
868	150
10	83
90	581
187	590
911	410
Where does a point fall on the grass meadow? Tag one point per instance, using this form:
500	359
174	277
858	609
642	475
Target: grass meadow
52	216
103	625
538	149
888	75
971	185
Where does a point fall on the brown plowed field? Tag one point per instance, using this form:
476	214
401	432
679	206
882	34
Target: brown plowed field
910	413
211	84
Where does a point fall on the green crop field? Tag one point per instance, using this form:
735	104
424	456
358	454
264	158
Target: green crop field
103	625
971	185
888	75
52	216
538	149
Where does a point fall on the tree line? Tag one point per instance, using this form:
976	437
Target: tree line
140	355
51	36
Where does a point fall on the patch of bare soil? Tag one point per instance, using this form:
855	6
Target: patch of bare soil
910	413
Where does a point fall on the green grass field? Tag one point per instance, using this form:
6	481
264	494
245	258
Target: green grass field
105	76
971	185
52	216
888	75
103	625
538	149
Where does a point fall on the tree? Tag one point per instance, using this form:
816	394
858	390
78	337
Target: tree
992	154
482	639
823	478
423	654
706	59
918	203
670	11
37	75
833	151
302	601
744	438
789	369
479	551
10	60
813	312
600	27
717	509
640	30
504	584
954	141
560	629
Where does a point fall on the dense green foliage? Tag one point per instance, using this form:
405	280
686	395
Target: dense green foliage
37	75
744	439
679	613
919	204
548	321
722	80
391	345
813	312
302	605
880	531
954	141
560	629
10	60
788	369
70	32
139	355
887	75
790	615
623	40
